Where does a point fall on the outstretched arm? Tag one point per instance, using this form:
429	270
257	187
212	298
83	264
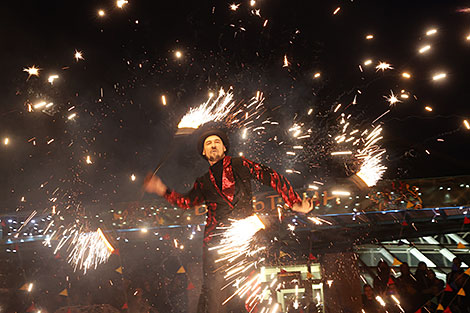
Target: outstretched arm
153	184
280	184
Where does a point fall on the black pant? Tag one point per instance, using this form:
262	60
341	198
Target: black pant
212	296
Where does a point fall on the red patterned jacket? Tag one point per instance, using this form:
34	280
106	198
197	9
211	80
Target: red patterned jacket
234	200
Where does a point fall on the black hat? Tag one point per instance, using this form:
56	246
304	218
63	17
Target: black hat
210	132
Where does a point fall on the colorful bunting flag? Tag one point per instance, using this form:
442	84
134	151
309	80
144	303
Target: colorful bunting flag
466	220
461	246
119	270
64	293
24	287
190	286
461	292
390	281
440	307
311	257
447	310
396	262
419	311
181	270
467	271
448	288
125	306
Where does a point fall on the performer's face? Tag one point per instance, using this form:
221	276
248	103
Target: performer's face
214	149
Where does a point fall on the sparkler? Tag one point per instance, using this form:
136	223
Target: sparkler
211	110
371	170
235	250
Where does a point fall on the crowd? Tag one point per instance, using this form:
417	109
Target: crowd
418	292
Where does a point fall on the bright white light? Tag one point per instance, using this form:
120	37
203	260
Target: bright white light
101	13
424	49
431	32
439	76
340	193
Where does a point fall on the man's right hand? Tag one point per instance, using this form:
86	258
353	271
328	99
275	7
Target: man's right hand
153	184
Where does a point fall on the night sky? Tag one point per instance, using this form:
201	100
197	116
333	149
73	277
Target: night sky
129	56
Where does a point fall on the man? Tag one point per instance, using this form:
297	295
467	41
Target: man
226	191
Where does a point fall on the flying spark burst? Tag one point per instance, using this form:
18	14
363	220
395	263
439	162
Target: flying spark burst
78	55
32	71
234	6
392	99
383	66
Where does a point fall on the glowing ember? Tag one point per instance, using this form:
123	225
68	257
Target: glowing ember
163	99
406	75
178	54
425	49
431	32
52	78
133	177
439	76
6	141
101	13
467	125
121	3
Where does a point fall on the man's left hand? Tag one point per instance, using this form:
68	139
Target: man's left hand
303	207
